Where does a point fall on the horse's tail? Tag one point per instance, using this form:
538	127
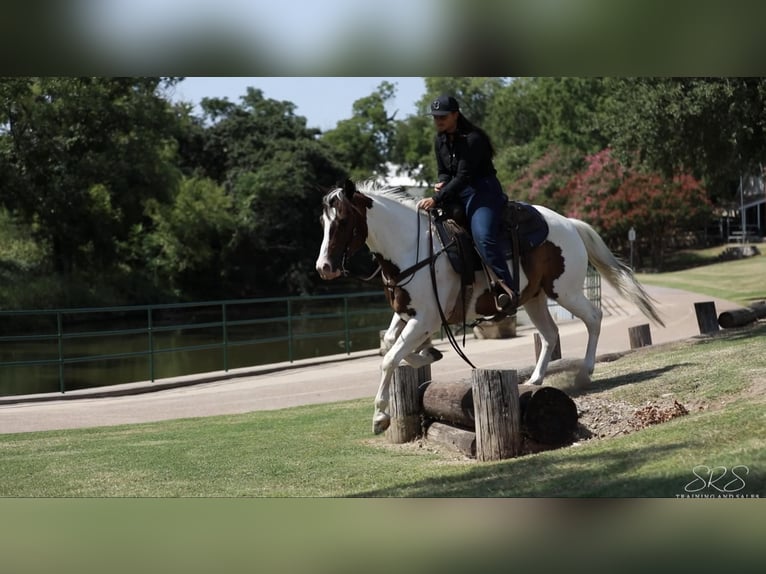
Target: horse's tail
619	275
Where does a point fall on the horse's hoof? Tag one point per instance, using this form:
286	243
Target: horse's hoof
435	353
379	425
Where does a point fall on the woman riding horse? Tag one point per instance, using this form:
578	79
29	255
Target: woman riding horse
467	176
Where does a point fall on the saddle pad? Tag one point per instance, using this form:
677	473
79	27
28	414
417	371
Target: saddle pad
531	226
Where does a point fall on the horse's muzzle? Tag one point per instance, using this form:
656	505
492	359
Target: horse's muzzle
326	270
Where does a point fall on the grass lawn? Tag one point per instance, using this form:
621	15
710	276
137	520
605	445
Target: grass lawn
742	281
327	451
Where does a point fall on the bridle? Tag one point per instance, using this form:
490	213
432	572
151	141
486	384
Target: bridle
390	283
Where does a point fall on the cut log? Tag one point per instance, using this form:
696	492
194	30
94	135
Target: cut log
450	402
496	408
640	336
759	307
707	318
462	440
404	407
555	355
548	415
737	318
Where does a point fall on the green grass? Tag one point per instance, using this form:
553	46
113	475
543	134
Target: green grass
327	450
741	281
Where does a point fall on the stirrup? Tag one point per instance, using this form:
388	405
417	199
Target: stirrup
506	300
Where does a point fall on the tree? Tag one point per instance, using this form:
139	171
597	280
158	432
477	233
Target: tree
614	198
185	244
713	128
81	156
364	142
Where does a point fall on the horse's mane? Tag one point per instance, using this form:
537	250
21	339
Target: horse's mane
372	187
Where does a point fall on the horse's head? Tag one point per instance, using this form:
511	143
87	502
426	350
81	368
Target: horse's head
344	219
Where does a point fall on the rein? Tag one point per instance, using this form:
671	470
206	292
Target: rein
445	324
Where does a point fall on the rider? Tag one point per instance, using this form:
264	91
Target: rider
467	175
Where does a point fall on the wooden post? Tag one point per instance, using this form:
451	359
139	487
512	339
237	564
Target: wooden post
555	355
640	336
496	407
707	319
405	403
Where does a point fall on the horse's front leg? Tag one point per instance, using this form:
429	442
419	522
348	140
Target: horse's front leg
393	332
412	336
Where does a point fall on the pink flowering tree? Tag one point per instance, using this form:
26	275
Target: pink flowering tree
614	199
541	181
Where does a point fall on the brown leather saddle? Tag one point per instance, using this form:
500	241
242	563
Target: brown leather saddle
525	228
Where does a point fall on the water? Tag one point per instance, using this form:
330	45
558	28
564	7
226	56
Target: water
108	348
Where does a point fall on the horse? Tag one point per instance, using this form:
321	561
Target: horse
418	279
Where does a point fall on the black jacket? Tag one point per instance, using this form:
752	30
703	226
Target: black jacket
461	160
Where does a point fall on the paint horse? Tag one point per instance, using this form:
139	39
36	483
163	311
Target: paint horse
400	237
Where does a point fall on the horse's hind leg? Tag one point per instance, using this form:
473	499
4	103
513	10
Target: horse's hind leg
537	310
412	336
579	305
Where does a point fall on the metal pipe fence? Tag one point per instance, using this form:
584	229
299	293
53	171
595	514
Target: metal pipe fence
61	338
240	332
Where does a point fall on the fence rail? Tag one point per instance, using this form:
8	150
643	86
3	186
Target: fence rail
276	320
287	328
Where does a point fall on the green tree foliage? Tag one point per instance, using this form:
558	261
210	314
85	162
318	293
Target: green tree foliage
187	238
364	142
105	183
273	170
715	128
79	159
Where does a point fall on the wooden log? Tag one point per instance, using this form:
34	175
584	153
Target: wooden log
759	307
555	355
404	407
548	415
640	336
462	440
707	319
496	408
450	402
737	318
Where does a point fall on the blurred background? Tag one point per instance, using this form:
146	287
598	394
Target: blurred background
402	37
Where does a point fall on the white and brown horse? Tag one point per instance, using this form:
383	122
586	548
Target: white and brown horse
388	220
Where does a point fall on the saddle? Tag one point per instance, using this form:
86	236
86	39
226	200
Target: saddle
524	226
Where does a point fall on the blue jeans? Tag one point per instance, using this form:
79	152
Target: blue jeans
484	203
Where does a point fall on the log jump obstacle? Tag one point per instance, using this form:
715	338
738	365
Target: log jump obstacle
490	417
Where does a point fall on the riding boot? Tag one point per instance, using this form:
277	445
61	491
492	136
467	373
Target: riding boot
506	299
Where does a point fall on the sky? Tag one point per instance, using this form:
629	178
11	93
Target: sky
323	101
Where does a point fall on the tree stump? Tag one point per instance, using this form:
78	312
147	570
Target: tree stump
405	403
640	336
737	318
707	319
496	408
555	355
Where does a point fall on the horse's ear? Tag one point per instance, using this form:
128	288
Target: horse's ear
349	189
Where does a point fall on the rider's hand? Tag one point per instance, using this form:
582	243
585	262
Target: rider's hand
427	203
